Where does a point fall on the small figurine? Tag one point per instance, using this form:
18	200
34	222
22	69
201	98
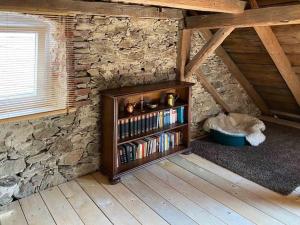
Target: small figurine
130	107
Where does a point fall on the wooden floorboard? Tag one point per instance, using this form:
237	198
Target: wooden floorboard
242	208
60	208
12	214
290	203
87	210
34	214
187	206
215	207
160	205
274	211
131	202
185	189
116	213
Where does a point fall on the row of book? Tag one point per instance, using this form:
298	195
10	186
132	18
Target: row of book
138	125
147	146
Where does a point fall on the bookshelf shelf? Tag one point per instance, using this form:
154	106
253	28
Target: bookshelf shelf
153	132
112	100
124	115
153	158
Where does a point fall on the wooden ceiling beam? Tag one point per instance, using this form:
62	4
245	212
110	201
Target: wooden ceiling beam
279	57
69	7
207	50
225	6
271	16
238	75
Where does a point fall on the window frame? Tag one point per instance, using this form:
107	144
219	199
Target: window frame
39	101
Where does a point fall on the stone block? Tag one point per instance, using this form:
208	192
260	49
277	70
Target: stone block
71	158
8	187
38	158
12	167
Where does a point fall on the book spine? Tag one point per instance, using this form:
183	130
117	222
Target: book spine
155	121
136	125
139	124
161	119
143	124
119	129
182	114
121	155
151	121
131	134
122	129
124	155
147	122
126	124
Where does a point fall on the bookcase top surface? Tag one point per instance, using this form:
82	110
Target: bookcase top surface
123	91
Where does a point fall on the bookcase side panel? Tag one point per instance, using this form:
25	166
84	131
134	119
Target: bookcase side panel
108	157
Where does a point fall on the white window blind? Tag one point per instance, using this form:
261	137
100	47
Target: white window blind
36	64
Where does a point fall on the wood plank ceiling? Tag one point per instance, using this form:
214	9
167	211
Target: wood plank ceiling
250	55
248	52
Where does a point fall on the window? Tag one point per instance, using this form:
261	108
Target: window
33	65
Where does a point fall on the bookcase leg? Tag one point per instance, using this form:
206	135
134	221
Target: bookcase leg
114	181
187	152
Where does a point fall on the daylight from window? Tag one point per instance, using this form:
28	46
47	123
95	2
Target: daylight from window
18	65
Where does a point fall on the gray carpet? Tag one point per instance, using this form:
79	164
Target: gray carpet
275	164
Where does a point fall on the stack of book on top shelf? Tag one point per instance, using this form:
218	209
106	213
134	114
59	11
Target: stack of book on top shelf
147	146
138	125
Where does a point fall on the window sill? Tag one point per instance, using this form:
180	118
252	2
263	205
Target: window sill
37	115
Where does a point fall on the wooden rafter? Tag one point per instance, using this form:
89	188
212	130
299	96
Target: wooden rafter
207	50
280	121
69	7
271	16
211	89
279	57
226	6
239	76
183	52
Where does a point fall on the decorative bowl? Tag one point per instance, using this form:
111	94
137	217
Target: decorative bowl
152	106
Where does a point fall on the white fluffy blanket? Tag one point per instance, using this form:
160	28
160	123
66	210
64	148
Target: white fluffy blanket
238	125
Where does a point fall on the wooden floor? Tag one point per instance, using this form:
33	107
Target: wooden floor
182	190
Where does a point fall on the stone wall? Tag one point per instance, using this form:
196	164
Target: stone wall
109	52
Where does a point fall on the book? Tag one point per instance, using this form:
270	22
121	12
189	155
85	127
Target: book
126	129
119	129
131	127
150	121
135	126
139	125
173	116
122	129
155	121
143	128
149	145
147	122
161	119
180	114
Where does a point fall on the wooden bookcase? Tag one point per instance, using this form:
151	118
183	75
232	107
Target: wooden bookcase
112	111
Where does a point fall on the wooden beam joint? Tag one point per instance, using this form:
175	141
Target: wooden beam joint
207	50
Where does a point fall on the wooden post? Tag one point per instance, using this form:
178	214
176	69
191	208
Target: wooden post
184	48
